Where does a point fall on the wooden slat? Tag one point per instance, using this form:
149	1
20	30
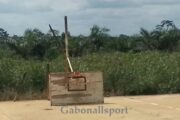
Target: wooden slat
60	95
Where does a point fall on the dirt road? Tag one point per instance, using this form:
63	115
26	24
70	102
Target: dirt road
160	107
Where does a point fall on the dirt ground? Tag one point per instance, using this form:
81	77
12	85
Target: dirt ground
158	107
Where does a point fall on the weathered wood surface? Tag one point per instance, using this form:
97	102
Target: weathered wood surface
60	95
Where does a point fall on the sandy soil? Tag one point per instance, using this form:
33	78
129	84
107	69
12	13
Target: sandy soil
160	107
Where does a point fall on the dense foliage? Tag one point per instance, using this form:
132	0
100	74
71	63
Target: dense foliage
145	63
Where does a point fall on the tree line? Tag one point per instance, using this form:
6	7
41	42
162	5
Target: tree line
34	44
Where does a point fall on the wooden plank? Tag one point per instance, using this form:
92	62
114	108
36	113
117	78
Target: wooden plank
60	95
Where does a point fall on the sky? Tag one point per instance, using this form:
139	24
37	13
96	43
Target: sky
120	16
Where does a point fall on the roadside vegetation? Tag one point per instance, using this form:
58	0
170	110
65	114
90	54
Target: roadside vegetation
145	63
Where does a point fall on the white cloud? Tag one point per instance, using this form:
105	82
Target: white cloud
121	16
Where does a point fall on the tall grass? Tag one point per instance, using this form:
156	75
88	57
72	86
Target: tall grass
124	73
19	77
129	73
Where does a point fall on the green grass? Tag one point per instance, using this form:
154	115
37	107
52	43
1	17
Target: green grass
124	73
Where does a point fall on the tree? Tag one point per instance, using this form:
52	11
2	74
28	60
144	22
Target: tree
123	43
3	35
166	25
97	37
148	39
32	44
3	38
164	37
167	35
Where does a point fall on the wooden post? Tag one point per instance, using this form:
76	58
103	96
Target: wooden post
66	37
47	81
66	45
